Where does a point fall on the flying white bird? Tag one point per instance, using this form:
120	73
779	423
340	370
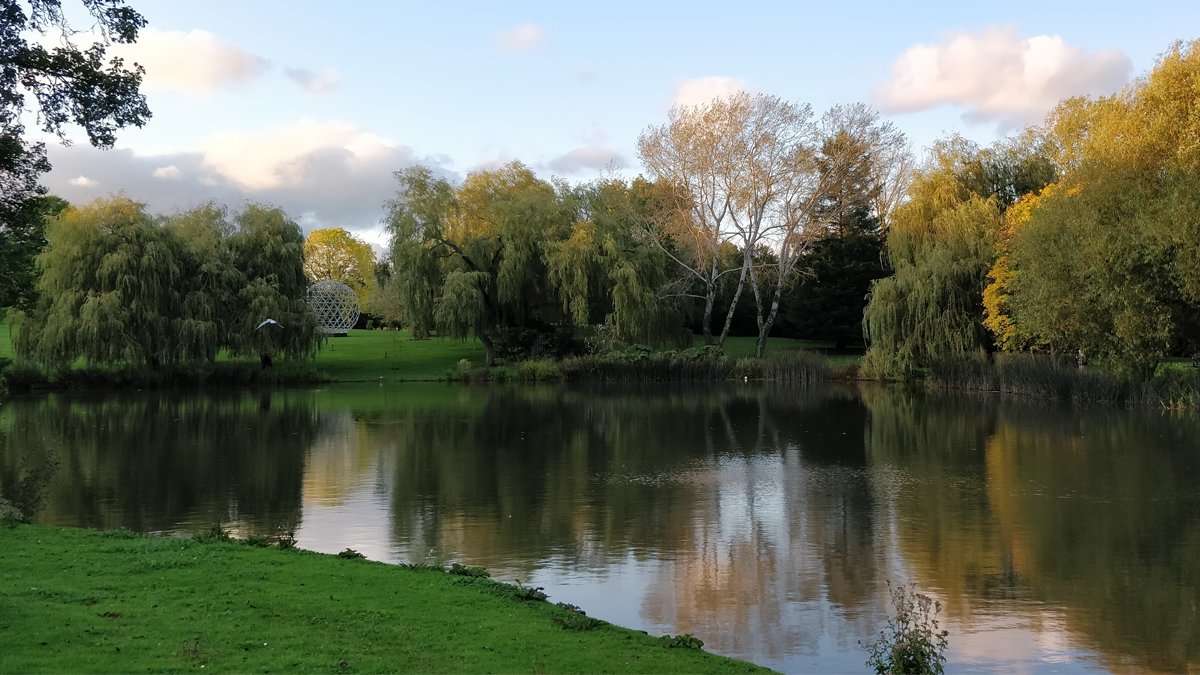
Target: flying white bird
267	322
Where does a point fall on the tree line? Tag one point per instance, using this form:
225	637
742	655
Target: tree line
1078	236
118	286
744	195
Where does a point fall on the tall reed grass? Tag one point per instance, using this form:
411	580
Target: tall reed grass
23	376
694	365
1049	377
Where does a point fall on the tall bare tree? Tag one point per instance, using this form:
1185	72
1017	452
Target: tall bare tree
737	160
850	164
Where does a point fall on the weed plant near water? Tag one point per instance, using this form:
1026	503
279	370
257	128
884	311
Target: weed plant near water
913	642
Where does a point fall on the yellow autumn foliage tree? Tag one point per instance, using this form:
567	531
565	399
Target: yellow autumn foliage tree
333	253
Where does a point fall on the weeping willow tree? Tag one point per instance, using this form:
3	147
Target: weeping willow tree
116	287
606	272
941	244
470	260
107	289
205	320
267	250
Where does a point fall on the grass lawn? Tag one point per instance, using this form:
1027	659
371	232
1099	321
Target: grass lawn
368	355
85	601
393	356
739	347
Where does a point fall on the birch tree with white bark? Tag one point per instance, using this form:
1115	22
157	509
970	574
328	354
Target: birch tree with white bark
736	160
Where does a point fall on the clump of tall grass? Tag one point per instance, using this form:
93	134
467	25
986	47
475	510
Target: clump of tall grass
793	366
24	376
539	370
697	364
1174	389
1050	377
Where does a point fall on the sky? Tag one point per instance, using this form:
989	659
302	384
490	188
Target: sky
310	106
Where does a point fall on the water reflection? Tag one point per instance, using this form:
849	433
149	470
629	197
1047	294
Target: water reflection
764	520
164	462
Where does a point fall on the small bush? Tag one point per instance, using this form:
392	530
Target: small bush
9	514
577	621
518	591
285	538
684	641
539	370
350	554
463	374
468	571
214	533
913	641
257	541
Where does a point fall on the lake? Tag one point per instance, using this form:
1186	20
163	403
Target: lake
765	520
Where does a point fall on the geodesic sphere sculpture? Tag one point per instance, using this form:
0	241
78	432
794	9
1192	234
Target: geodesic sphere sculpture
335	305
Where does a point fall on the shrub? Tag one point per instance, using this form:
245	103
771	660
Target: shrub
257	541
214	533
539	370
573	619
464	370
468	571
913	642
684	641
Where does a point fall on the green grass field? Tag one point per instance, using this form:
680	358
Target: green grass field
84	601
369	355
393	356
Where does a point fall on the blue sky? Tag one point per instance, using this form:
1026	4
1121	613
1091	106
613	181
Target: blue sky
312	105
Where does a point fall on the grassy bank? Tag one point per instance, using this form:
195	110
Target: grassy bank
76	601
362	356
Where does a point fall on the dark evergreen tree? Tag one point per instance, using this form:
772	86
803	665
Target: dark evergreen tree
827	301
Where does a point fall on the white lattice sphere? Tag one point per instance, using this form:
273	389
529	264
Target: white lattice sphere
335	305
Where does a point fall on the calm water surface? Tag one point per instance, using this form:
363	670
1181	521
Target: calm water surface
764	520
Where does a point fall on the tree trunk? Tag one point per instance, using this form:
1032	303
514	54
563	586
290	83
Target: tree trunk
709	299
489	349
764	330
737	294
758	313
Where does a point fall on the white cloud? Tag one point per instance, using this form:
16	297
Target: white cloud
998	76
521	39
315	82
195	61
704	89
282	156
323	174
587	158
